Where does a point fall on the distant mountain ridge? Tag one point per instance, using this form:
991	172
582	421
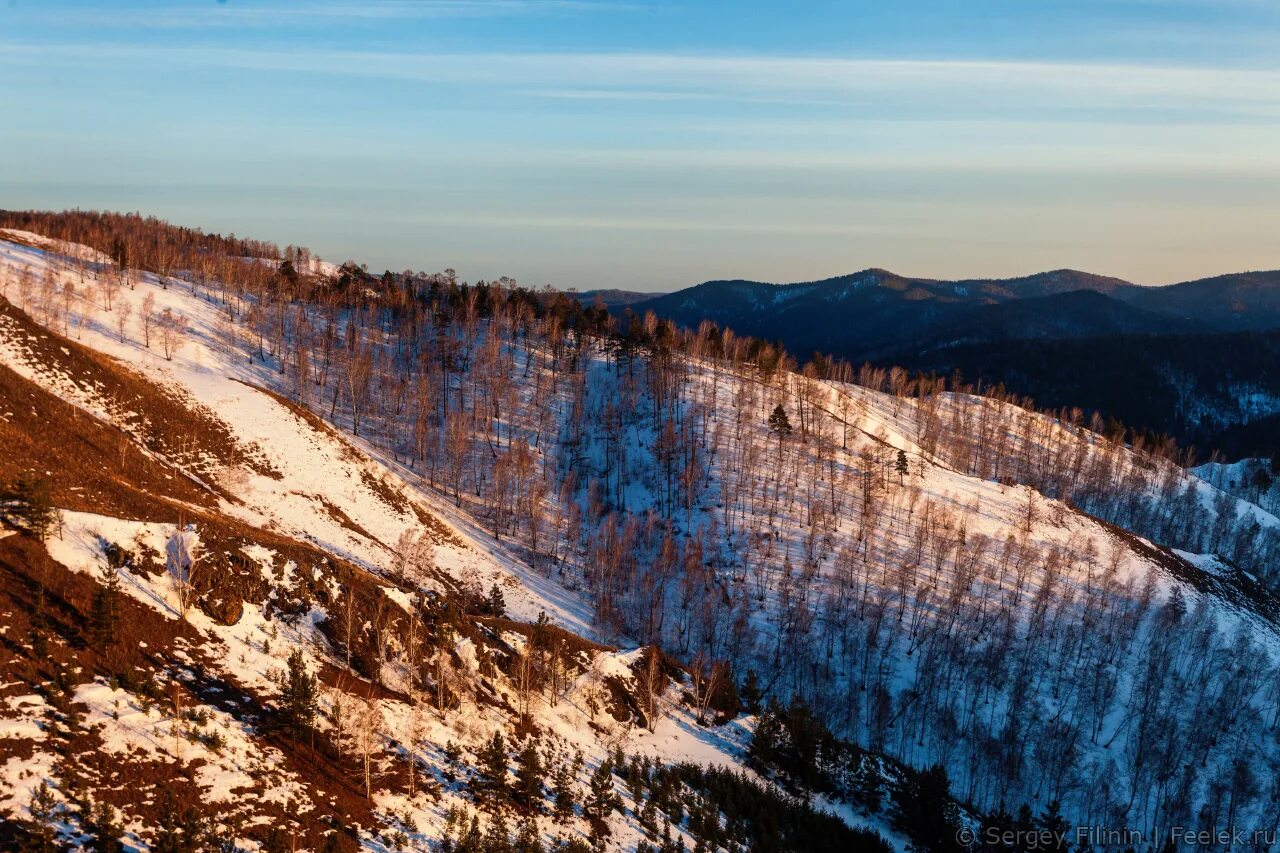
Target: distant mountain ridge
876	313
611	297
1193	360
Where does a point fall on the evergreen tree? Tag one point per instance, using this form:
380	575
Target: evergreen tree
490	784
780	425
104	616
288	272
529	841
497	602
497	840
120	253
562	792
107	831
1052	821
793	741
275	841
751	694
601	800
32	502
298	695
527	790
181	830
902	466
471	841
927	812
44	809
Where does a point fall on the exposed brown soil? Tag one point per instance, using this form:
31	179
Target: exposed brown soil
91	466
38	595
141	472
169	428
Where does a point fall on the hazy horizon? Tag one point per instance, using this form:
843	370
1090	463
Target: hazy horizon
652	146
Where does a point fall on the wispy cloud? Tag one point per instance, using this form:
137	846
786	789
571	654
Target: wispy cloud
231	14
979	86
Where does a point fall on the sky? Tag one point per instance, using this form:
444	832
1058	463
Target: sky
652	145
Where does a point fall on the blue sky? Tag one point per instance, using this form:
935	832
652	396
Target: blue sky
651	145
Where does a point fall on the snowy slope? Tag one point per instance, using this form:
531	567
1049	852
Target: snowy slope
298	478
942	601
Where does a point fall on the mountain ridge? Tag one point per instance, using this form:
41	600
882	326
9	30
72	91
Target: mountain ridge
982	328
1161	298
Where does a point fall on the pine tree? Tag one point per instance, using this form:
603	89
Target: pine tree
180	830
496	840
601	800
288	272
529	840
902	466
107	831
1052	821
751	694
562	792
104	616
298	695
32	502
120	253
490	784
43	808
527	790
927	812
780	425
497	602
471	841
275	842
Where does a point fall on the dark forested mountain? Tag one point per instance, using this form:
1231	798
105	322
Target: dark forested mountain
1239	301
1216	391
1182	359
1074	314
873	312
613	297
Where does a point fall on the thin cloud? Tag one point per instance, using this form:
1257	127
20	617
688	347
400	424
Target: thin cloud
293	15
981	85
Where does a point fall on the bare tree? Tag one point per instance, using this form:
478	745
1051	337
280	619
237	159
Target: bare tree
147	318
413	559
651	682
366	734
122	319
183	561
173	330
526	675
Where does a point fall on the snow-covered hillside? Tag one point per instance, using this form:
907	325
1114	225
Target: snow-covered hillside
1256	480
467	514
312	540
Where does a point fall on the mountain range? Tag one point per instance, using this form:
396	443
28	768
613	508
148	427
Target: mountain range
1065	337
877	314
